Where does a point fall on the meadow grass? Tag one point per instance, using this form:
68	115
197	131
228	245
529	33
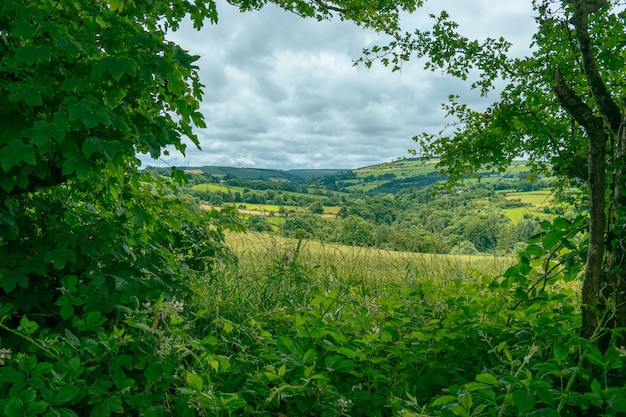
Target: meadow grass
302	327
273	271
539	198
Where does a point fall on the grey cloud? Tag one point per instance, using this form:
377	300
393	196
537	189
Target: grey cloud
282	92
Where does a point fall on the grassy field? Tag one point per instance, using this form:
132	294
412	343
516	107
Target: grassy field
360	263
302	328
273	209
272	271
535	202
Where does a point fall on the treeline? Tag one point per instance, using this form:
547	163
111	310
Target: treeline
411	216
416	220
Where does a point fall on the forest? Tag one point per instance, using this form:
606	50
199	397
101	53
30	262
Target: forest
485	277
398	206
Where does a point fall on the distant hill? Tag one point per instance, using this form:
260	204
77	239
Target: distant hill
259	174
387	177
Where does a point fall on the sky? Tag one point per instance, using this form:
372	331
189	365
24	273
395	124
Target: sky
281	92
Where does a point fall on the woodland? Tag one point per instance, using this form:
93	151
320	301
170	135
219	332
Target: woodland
127	292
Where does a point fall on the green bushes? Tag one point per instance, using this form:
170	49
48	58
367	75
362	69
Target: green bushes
323	345
93	294
129	305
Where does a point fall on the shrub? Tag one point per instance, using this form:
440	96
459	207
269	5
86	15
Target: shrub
93	296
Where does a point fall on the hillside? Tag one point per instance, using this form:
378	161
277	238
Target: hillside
387	177
258	174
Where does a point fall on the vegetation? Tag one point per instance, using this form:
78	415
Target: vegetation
120	295
563	104
496	215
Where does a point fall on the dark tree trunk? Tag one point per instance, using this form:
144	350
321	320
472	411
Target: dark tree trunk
604	286
594	126
615	268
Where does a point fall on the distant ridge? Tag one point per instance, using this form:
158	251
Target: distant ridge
262	174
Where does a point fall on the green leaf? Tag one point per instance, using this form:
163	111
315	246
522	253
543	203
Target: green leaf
28	395
76	163
153	372
487	379
523	400
60	257
561	352
613	360
93	319
14	407
561	224
466	400
67	310
36	408
65	395
23	29
534	250
444	400
551	239
195	381
116	5
593	354
116	67
27	327
30	54
10	279
459	410
15	153
232	402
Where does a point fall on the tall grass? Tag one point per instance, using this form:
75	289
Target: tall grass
274	271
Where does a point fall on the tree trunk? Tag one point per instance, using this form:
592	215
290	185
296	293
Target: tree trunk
615	268
594	127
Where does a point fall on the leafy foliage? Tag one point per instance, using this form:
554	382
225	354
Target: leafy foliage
105	271
80	97
562	103
77	269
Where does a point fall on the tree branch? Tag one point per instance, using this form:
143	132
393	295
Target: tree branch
604	101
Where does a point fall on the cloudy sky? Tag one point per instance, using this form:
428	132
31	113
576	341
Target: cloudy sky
282	92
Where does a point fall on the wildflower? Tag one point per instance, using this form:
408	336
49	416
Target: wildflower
358	387
5	354
343	404
178	306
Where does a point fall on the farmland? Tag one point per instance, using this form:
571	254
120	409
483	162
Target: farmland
401	205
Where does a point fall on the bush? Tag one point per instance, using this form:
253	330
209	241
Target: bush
93	298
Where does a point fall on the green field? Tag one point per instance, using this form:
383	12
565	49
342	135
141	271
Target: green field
362	263
535	201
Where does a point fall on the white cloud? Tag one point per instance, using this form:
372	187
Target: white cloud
282	92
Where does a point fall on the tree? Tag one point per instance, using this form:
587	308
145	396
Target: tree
563	104
356	231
